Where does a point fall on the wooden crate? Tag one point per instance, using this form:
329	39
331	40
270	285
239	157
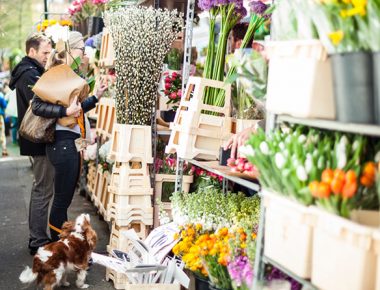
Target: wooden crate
91	176
119	280
160	286
130	142
194	133
107	52
118	240
106	117
127	178
124	215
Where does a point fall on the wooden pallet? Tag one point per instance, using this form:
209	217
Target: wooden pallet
194	133
107	51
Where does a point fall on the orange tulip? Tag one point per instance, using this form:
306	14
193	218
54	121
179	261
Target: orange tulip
351	176
339	174
366	181
369	169
327	176
313	186
349	189
337	185
324	190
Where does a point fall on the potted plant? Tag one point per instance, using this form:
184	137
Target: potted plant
342	22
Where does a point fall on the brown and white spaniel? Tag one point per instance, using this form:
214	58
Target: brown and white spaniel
71	253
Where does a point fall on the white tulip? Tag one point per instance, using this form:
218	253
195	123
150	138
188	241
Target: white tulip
301	173
279	160
264	148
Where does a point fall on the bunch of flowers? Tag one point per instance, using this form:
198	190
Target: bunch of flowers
168	165
173	88
50	22
317	166
348	24
206	179
251	73
142	37
104	161
231	11
82	9
337	189
89	154
241	165
214	209
220	255
189	248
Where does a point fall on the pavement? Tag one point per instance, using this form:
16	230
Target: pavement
15	187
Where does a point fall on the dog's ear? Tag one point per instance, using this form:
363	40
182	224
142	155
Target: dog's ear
91	237
67	228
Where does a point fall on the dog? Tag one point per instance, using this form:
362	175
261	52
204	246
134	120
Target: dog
71	253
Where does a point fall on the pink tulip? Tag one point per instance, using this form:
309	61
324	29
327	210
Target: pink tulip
174	74
167	80
173	96
167	86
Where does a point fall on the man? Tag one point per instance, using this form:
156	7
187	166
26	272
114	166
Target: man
23	78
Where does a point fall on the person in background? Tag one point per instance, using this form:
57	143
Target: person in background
23	78
3	138
63	153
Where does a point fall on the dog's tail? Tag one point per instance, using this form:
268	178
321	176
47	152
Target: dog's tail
27	276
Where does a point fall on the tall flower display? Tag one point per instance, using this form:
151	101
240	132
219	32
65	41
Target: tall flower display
142	37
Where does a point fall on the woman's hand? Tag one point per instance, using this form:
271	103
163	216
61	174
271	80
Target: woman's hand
100	91
238	140
74	109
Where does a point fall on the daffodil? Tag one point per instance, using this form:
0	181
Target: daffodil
336	37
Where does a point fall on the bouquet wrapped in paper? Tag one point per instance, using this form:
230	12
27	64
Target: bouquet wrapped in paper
60	85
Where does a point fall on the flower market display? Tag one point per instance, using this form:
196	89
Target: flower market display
308	165
142	38
83	9
217	239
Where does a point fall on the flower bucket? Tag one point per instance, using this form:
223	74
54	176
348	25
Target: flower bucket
344	255
353	87
95	25
376	84
299	80
200	283
288	233
82	27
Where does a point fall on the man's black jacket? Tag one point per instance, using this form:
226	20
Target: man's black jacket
23	78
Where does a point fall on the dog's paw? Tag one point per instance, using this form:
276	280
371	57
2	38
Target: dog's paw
84	286
66	284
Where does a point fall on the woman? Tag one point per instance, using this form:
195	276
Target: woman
63	153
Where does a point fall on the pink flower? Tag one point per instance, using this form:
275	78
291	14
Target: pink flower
173	96
167	80
171	162
166	73
166	92
174	74
167	86
179	93
82	1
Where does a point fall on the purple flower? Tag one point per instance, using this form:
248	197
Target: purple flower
276	274
238	3
206	4
258	7
241	271
241	11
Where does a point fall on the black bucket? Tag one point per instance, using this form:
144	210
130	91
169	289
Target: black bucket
353	87
201	284
376	84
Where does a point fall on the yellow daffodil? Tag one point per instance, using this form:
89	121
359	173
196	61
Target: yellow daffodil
336	37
